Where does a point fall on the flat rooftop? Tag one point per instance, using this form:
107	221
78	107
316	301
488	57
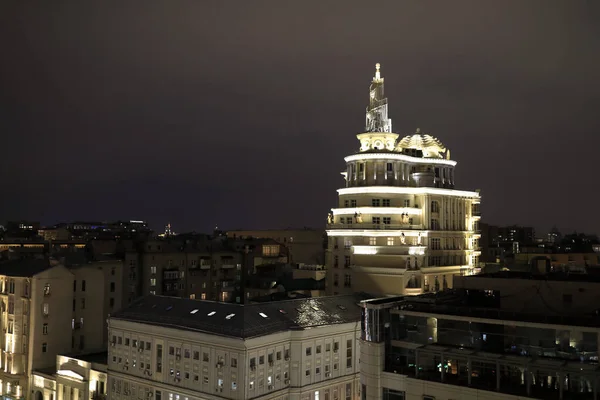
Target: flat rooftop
455	303
243	321
591	274
94	358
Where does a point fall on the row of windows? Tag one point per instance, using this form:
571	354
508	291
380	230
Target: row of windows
347	280
376	203
261	359
138	344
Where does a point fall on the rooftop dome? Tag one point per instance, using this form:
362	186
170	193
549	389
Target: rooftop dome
429	145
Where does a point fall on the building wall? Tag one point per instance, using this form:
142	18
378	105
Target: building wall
90	381
87	306
305	245
442	242
197	365
538	296
164	268
47	316
560	259
58	319
415	389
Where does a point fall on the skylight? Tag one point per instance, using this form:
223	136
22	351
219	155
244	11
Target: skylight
262	315
230	316
341	307
169	308
194	311
283	311
210	314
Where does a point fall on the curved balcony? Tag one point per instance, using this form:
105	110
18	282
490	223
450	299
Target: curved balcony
400	250
384	210
370	226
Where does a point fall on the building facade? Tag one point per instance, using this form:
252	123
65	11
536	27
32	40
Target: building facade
489	341
306	246
400	226
47	310
203	268
82	377
173	348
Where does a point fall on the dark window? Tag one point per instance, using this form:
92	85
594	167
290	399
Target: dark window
389	394
83	286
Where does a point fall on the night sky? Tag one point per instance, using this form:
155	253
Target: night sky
239	113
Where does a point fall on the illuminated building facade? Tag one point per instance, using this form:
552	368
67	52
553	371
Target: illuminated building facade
49	309
75	378
183	349
507	335
400	227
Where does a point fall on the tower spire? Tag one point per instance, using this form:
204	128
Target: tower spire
377	112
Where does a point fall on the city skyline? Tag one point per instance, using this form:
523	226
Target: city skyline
157	120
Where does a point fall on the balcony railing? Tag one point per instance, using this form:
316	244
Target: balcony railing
374	226
98	396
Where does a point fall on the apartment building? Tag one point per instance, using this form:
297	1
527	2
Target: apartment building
177	348
36	299
81	377
200	267
306	246
49	309
400	226
500	336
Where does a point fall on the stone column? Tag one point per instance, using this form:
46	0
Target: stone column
497	376
416	363
443	370
469	371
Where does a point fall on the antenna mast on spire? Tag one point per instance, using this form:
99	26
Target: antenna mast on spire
377	112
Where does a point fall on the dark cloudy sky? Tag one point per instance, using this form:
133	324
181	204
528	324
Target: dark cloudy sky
239	113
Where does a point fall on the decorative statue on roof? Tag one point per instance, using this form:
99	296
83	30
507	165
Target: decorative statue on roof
330	218
404	218
403	238
359	219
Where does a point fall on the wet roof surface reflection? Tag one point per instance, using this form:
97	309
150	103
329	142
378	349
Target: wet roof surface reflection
244	321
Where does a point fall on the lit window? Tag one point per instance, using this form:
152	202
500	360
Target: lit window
390	241
262	315
210	314
372	241
194	311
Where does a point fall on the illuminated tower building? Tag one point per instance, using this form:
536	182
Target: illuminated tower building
400	226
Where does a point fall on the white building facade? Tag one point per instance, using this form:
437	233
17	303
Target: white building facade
400	226
181	349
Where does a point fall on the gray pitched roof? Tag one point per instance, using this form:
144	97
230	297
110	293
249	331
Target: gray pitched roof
243	321
26	267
